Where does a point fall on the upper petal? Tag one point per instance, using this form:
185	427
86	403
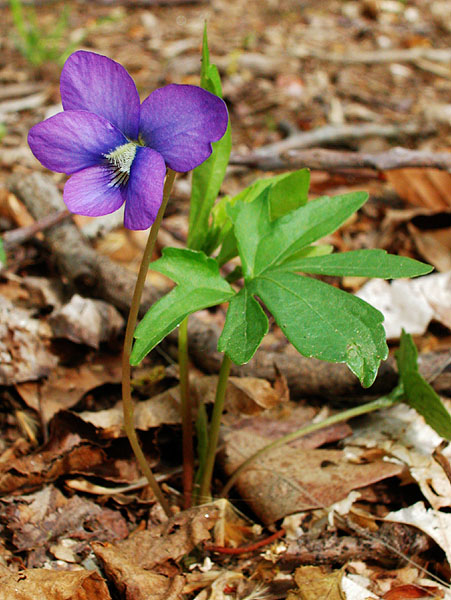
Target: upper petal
181	122
73	140
144	191
100	85
89	192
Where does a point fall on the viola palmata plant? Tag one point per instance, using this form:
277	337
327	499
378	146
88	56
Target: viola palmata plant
117	150
274	231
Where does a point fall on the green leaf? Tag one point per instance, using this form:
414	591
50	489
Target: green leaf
245	327
325	322
207	177
251	223
417	392
264	244
359	263
289	192
3	258
303	226
199	286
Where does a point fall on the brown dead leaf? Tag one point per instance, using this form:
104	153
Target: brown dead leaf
244	395
132	564
70	449
315	582
39	522
162	409
52	585
136	583
24	355
258	431
288	480
65	386
422	187
406	592
86	321
434	246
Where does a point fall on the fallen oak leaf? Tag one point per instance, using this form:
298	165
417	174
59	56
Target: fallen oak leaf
52	585
316	582
133	564
73	447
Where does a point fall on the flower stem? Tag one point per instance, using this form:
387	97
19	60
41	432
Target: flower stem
187	415
204	492
128	405
382	402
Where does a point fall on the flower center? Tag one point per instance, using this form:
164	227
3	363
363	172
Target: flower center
120	162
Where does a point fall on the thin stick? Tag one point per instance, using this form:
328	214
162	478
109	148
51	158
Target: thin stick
187	415
128	406
334	160
245	549
204	492
383	402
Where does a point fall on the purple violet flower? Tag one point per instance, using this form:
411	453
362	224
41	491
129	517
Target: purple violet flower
116	149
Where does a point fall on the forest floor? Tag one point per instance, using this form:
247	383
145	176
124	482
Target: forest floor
358	510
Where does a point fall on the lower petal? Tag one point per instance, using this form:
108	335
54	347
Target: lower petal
89	192
144	191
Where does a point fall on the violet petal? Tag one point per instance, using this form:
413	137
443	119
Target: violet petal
73	140
144	191
180	122
89	192
100	85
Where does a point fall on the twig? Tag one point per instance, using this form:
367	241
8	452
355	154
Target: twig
26	103
390	542
130	3
18	90
99	277
23	234
334	160
442	460
245	549
385	56
325	135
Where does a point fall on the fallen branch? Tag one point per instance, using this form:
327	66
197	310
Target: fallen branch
334	160
99	277
22	234
392	543
130	3
329	134
374	57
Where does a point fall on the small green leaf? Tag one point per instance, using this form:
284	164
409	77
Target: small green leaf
3	258
251	223
245	327
417	392
325	322
359	263
208	177
302	227
406	355
199	286
289	192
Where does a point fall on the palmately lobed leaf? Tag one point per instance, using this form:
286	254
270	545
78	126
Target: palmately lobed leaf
199	286
304	226
358	263
324	322
285	193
